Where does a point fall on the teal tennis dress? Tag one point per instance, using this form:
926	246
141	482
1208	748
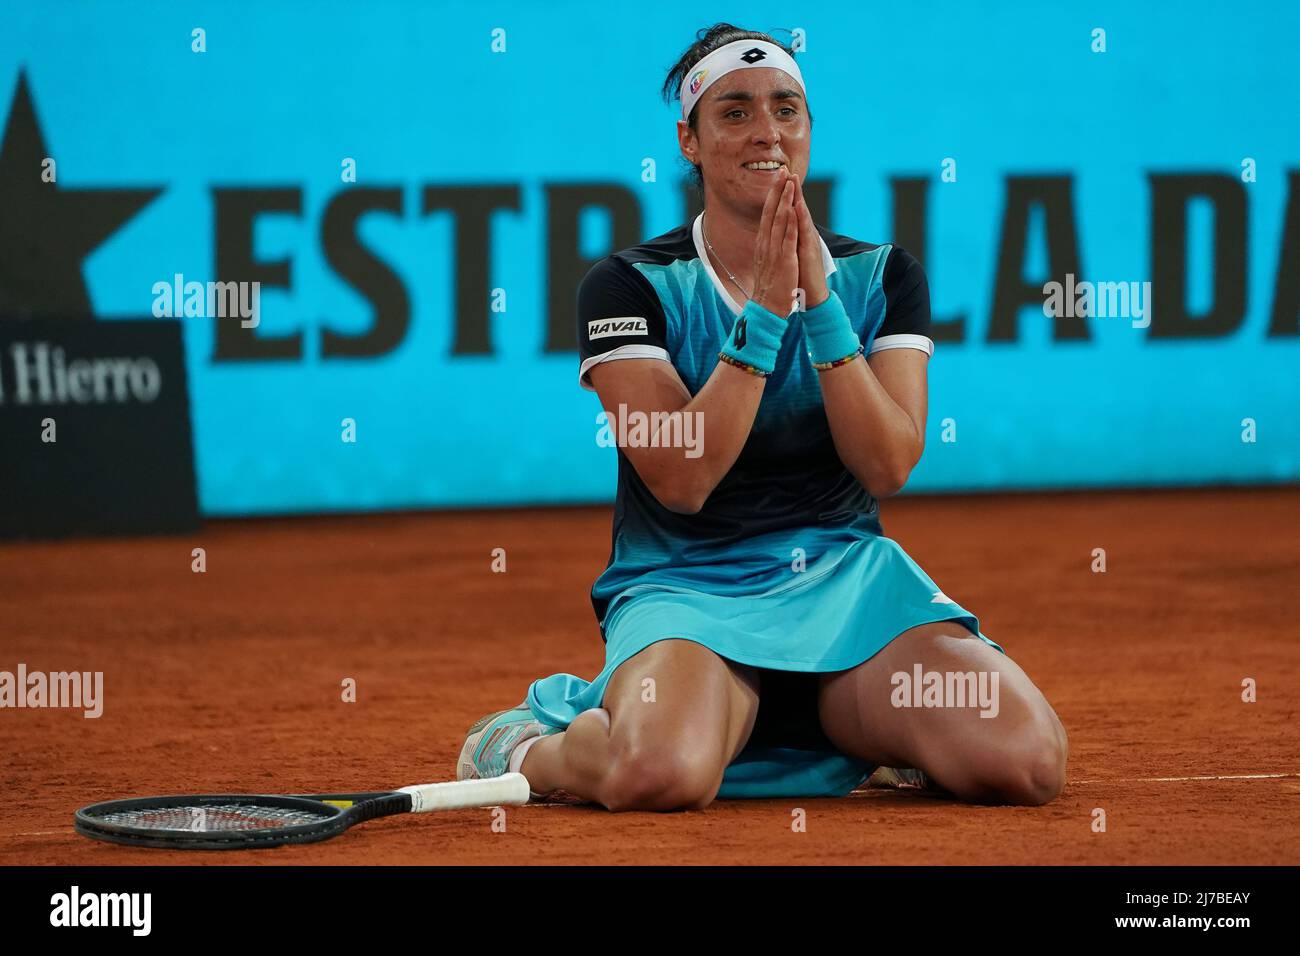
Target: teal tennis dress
786	567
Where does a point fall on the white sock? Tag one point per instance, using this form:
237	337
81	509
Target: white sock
517	755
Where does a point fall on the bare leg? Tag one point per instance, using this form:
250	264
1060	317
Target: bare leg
674	716
1017	756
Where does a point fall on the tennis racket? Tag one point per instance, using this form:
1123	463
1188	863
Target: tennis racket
251	821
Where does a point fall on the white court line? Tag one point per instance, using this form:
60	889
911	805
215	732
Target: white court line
1239	776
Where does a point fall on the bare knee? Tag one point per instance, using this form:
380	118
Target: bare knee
659	777
1028	769
1037	777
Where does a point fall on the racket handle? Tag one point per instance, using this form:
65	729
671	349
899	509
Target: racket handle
509	789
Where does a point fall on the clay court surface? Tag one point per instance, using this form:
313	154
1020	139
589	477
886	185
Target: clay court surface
229	681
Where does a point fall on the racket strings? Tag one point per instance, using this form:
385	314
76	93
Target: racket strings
200	818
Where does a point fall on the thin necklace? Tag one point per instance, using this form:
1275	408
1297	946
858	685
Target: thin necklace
704	231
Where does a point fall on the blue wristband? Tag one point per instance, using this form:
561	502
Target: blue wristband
756	337
828	332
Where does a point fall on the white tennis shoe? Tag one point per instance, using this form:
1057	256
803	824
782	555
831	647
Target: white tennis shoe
492	740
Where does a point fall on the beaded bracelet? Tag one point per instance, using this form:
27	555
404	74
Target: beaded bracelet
743	366
823	366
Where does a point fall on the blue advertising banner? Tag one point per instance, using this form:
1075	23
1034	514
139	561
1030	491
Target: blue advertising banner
372	221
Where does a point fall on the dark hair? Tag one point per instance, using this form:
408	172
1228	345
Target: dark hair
707	40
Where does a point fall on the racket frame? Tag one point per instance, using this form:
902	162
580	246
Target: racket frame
342	810
363	806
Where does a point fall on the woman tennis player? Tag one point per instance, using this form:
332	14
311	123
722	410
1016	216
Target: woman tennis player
763	638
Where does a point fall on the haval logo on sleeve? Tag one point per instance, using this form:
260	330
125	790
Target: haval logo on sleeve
627	325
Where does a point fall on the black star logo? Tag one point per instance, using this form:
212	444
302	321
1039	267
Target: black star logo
46	231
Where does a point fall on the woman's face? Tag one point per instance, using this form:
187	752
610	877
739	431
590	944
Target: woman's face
748	116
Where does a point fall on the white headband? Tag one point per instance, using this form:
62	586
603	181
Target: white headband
737	55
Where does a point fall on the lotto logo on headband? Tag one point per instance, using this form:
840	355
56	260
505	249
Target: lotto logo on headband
737	55
602	328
